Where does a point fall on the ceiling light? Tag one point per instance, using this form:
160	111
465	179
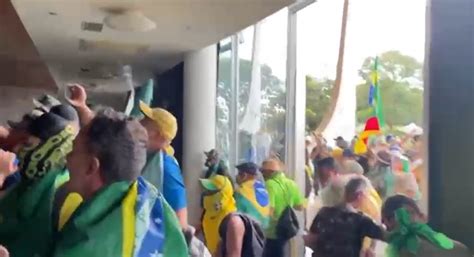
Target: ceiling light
129	20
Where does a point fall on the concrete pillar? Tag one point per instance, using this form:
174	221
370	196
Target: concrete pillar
451	118
199	121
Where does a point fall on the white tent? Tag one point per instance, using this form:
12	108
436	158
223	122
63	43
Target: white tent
411	128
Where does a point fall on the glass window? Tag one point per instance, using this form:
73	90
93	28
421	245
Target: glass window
223	101
262	89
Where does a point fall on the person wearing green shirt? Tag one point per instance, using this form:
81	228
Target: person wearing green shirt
283	192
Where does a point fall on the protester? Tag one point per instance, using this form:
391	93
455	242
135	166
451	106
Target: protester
18	131
338	231
309	167
227	233
48	141
251	196
121	214
333	192
218	202
161	169
7	165
341	143
283	193
404	220
4	252
381	174
349	163
216	166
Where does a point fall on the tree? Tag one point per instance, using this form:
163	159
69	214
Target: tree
394	66
318	98
273	104
401	89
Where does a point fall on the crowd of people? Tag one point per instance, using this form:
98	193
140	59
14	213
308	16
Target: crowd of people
81	182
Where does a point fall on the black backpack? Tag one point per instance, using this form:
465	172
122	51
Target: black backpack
254	238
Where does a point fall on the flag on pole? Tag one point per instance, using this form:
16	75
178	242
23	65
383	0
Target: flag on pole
375	99
372	127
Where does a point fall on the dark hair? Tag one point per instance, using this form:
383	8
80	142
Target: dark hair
119	142
396	202
328	163
353	186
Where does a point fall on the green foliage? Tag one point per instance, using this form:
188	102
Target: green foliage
400	86
318	97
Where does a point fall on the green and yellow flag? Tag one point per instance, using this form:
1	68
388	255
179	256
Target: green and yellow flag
375	99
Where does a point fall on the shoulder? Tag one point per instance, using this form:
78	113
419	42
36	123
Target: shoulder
233	223
427	249
460	250
170	160
171	166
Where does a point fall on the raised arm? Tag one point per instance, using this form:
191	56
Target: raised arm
78	98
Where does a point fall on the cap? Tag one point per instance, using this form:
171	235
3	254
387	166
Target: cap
339	138
26	120
46	126
248	167
65	111
214	183
164	120
327	162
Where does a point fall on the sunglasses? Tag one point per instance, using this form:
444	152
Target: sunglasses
266	170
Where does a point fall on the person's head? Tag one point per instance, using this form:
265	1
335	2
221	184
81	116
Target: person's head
341	143
46	126
384	158
160	125
67	112
111	148
348	154
393	203
218	195
246	171
356	191
326	169
270	167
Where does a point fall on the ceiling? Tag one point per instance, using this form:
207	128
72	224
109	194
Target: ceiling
55	28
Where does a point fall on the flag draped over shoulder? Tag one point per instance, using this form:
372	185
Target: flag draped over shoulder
375	99
122	220
252	199
372	128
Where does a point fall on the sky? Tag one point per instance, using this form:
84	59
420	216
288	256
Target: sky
374	26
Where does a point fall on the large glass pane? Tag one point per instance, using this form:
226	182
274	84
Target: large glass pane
223	101
262	91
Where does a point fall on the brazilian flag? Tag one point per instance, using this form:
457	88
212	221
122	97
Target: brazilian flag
122	220
252	199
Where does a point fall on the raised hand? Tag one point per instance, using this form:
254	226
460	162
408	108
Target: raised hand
78	95
7	163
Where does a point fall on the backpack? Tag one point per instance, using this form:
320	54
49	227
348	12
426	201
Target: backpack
253	242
